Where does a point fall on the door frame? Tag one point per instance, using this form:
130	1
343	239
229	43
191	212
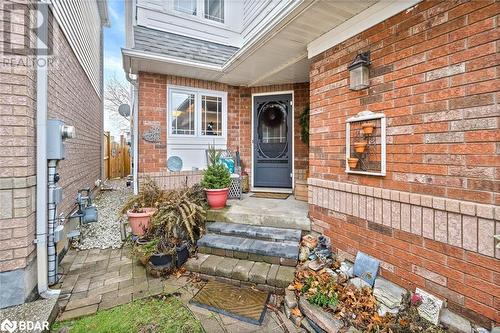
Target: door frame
272	189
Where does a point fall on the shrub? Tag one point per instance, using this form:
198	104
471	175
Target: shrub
215	177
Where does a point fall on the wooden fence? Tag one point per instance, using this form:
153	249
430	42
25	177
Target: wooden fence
116	157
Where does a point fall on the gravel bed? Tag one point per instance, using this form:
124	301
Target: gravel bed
105	233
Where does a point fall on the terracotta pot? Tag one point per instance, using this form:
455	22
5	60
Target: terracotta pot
368	128
352	162
359	147
217	198
139	222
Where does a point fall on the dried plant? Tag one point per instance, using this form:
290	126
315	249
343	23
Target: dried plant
150	196
180	215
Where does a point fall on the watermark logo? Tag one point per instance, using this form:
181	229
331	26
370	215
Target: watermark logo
27	35
8	326
23	326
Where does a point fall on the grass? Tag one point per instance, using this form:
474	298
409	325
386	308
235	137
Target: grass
163	314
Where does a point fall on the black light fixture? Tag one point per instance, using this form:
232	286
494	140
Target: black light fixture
359	73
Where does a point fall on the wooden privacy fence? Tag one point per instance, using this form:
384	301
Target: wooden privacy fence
116	157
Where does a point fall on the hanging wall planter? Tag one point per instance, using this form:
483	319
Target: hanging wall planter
368	128
359	147
352	162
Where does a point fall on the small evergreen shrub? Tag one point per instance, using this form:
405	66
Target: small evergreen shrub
215	177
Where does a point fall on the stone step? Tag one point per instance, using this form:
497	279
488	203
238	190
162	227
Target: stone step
240	272
254	231
279	253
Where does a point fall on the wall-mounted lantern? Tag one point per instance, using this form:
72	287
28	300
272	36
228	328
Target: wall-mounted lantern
359	73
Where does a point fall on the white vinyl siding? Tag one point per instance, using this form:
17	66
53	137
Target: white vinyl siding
81	24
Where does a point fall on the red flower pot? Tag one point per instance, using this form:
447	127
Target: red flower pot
139	222
217	198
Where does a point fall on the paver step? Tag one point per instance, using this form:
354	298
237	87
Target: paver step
264	276
283	252
254	231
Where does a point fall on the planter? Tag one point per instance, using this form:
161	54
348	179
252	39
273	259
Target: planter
182	255
352	162
245	184
368	128
217	198
139	222
141	240
359	147
161	260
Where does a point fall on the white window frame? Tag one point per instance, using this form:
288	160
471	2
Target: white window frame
224	4
200	13
197	138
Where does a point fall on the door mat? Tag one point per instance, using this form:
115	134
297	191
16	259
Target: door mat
270	195
242	303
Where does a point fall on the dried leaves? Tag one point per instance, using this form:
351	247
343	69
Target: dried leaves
356	307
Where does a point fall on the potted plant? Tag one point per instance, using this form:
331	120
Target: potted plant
144	251
360	146
164	256
139	218
352	162
368	127
216	180
139	208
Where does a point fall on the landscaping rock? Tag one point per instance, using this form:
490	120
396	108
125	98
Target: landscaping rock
320	317
359	283
290	299
106	232
383	310
316	265
346	268
304	253
352	329
456	323
388	293
431	306
366	267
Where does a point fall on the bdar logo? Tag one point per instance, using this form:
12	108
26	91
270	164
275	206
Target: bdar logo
9	326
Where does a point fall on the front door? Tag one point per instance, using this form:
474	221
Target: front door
272	144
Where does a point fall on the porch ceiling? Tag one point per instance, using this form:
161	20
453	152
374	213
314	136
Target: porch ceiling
277	56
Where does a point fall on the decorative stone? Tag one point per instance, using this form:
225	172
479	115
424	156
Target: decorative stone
309	241
152	134
366	267
383	310
352	329
456	323
316	265
431	306
388	293
290	299
346	268
319	317
304	253
359	283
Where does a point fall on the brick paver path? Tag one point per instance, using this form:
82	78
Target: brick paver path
97	279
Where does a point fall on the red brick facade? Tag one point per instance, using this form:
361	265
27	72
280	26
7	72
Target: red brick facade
72	98
152	112
435	75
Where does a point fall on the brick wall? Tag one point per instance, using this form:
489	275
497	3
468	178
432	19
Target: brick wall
152	112
71	98
431	220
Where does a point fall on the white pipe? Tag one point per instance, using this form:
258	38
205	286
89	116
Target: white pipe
41	156
135	129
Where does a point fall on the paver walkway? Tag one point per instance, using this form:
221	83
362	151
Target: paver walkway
97	279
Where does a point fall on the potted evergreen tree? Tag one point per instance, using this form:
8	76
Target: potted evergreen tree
216	180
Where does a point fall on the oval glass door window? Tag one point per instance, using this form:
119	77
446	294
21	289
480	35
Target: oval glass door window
272	131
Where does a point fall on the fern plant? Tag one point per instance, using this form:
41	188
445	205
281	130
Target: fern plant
215	177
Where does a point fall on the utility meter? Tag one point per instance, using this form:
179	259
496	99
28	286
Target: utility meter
57	132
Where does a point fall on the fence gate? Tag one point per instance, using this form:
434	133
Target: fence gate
116	157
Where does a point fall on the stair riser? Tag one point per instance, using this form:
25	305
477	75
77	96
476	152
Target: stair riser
254	232
262	287
248	256
237	234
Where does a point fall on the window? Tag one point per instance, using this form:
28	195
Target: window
182	113
185	6
211	115
214	10
196	112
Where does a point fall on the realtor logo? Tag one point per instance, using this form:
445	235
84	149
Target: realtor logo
21	23
8	326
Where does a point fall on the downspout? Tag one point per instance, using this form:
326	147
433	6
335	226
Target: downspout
135	131
41	156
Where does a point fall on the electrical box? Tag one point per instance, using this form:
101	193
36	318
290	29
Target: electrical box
57	132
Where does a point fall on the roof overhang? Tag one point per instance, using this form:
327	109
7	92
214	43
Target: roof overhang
282	53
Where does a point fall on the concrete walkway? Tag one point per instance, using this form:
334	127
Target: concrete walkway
96	280
288	213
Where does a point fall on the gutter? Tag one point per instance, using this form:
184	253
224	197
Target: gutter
41	157
135	129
